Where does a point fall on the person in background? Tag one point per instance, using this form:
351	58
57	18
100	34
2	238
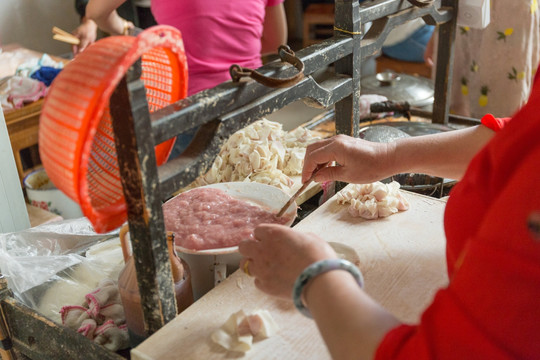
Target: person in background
117	19
490	308
408	42
494	67
86	32
218	34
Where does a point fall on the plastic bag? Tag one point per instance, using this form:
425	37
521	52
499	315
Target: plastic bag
46	266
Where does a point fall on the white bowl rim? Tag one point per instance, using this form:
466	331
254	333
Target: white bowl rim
36	172
227	187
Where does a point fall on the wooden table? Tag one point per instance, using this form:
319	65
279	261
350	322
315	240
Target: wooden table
39	216
23	129
402	258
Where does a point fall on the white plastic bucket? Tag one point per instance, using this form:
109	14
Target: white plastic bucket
208	270
42	193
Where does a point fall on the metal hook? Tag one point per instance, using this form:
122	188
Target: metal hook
286	55
421	3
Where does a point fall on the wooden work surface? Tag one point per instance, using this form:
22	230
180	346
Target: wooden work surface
402	258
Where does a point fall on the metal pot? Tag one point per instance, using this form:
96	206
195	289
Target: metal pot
416	128
418	91
418	183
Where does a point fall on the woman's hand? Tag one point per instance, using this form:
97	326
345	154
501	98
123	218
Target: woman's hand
279	254
86	33
429	51
358	161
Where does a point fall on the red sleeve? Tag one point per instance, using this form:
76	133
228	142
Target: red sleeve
491	308
494	123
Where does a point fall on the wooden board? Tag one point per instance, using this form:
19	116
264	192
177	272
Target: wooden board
39	216
402	258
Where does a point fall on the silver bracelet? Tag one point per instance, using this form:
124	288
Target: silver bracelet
317	268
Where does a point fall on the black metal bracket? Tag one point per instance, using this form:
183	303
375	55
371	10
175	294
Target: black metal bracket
138	170
287	55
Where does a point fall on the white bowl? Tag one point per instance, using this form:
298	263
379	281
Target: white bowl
270	197
42	193
211	266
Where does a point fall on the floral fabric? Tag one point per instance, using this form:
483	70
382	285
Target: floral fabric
494	67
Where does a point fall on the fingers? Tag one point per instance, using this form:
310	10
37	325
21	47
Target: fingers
428	52
316	154
330	173
266	288
258	254
262	233
357	160
265	232
278	255
251	251
84	44
335	149
244	265
248	248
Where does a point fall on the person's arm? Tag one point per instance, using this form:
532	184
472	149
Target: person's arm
445	155
430	50
103	12
86	32
351	323
274	29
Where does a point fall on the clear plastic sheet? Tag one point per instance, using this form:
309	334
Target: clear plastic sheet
46	266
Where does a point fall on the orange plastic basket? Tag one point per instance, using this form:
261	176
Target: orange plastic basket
76	139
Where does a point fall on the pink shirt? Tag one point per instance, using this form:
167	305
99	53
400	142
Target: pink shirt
217	34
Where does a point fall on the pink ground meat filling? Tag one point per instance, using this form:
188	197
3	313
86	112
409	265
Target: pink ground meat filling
207	218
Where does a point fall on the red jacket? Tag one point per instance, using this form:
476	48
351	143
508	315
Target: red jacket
491	308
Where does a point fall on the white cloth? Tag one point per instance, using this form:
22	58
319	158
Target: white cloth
30	66
17	91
